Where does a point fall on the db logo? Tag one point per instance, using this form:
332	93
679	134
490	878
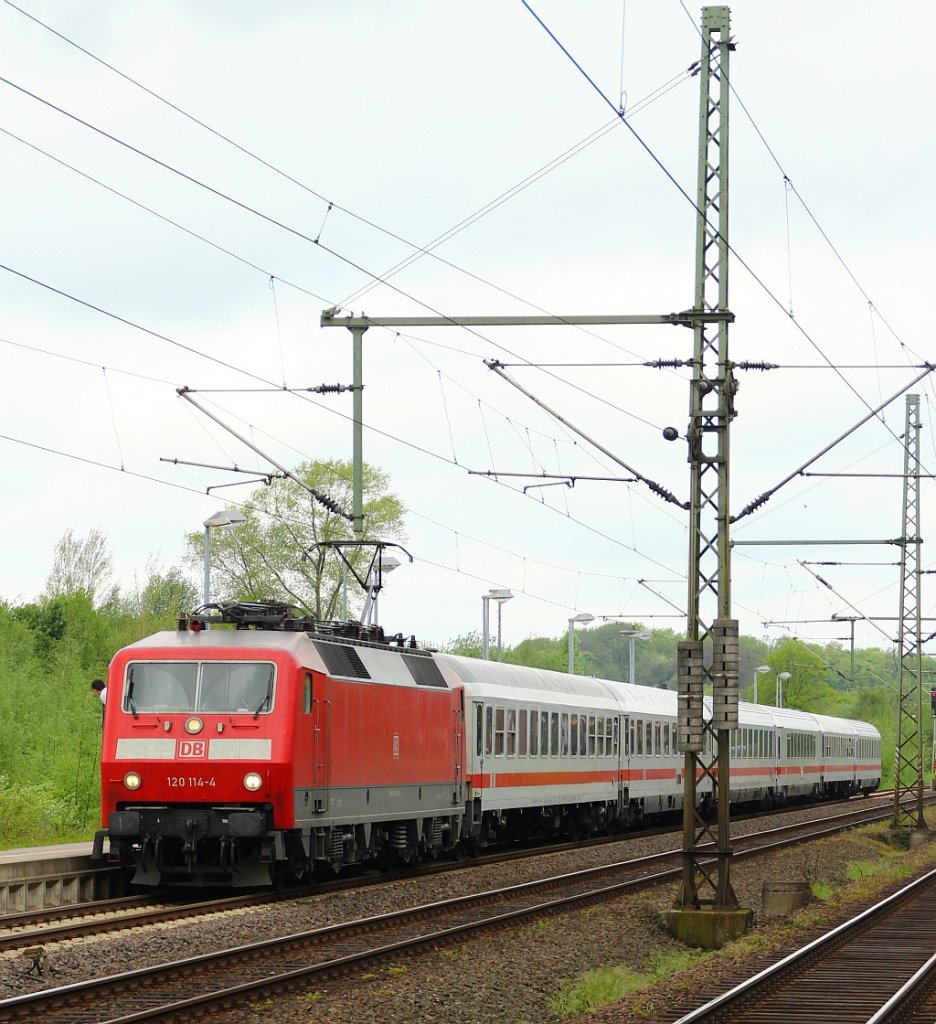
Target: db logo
192	748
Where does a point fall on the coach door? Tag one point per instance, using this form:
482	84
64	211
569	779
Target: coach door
478	755
623	764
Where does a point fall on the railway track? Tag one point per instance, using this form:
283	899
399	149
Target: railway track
257	970
21	930
877	968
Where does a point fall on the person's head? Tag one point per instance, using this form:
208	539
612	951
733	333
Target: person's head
97	685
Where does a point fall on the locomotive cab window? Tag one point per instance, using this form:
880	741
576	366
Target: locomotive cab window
237	687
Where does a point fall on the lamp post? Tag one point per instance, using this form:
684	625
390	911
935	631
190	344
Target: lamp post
782	677
226	517
386	564
758	672
581	617
500	596
632	635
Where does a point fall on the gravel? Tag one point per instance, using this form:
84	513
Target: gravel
508	976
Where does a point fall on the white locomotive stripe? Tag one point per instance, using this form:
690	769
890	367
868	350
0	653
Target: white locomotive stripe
150	749
240	750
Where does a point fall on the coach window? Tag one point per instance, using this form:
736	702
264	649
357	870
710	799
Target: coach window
649	738
657	745
608	734
534	733
617	736
511	732
666	748
573	735
489	730
307	694
522	733
564	734
599	735
638	735
498	732
591	736
544	733
554	733
583	734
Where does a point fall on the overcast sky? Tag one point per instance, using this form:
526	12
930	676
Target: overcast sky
406	118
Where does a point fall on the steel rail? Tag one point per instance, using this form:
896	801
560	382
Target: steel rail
728	1005
579	887
59	923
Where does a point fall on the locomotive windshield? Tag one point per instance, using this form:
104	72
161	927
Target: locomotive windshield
209	687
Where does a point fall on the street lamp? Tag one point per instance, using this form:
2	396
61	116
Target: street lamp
758	672
387	563
226	517
782	677
632	635
581	617
500	596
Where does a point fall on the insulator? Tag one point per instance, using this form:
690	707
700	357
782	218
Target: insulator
330	389
757	366
668	364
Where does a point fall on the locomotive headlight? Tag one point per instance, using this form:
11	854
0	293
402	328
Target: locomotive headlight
252	781
132	780
193	726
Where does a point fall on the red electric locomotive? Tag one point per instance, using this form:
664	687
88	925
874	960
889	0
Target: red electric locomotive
230	753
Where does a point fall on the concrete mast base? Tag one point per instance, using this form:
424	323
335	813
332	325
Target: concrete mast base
709	928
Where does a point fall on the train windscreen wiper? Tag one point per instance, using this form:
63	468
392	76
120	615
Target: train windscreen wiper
268	699
130	694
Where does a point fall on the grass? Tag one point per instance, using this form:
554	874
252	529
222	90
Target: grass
855	870
598	988
536	928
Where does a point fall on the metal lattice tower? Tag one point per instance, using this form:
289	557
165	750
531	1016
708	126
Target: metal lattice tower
908	759
710	652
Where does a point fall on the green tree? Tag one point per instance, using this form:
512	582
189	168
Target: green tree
541	652
81	566
468	645
271	555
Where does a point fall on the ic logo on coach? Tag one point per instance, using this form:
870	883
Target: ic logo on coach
192	748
